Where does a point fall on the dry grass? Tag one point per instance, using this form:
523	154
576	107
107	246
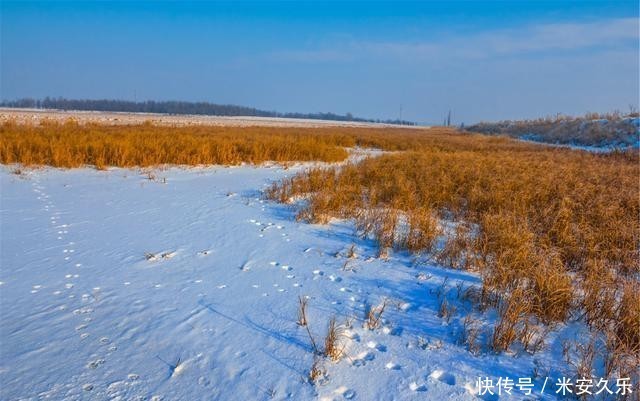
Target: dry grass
374	315
592	129
470	334
317	370
332	345
71	144
302	311
553	232
446	310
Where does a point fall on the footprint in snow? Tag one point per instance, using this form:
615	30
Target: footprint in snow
363	358
417	387
95	364
444	377
345	392
376	346
392	366
393	331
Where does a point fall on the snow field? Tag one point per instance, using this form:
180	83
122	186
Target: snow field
117	287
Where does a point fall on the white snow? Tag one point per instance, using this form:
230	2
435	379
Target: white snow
115	287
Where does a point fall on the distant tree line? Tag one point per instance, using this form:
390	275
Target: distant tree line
177	107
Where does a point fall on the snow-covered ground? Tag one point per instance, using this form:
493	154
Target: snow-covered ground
22	116
594	149
185	287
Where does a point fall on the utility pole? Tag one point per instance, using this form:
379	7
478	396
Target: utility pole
400	113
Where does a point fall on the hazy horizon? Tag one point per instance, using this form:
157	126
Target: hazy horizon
483	60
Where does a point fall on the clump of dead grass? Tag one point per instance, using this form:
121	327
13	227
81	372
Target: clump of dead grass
553	232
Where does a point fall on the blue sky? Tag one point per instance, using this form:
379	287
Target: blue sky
483	60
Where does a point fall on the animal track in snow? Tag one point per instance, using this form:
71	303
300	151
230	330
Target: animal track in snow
95	364
444	377
376	346
345	392
363	358
392	366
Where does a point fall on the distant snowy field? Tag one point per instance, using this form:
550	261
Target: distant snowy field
212	314
119	118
